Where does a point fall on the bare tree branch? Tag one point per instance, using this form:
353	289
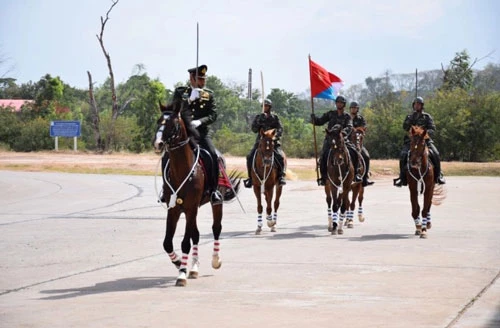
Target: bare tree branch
95	115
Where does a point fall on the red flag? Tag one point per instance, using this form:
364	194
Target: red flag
323	83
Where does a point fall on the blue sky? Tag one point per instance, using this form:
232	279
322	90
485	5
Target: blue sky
352	39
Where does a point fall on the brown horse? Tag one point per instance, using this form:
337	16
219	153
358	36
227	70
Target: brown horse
420	174
340	174
185	191
265	179
357	137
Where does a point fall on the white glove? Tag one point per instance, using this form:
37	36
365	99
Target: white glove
195	94
195	123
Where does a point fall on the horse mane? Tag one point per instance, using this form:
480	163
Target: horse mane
178	107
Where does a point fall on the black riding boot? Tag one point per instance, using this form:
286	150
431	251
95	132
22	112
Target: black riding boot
281	169
438	175
322	170
216	196
401	181
355	163
367	169
248	182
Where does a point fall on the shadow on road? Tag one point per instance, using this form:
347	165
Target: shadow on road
120	285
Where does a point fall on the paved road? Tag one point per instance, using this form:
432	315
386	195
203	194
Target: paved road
86	251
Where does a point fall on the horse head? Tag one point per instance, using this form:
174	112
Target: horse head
266	145
358	136
335	136
173	128
418	146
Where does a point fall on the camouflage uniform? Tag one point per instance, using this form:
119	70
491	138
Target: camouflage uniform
267	121
424	120
344	120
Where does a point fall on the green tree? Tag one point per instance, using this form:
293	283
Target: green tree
459	73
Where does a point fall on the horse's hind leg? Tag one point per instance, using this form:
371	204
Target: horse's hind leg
279	189
168	246
186	246
216	230
195	263
361	195
426	214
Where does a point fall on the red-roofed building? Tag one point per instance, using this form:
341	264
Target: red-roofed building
14	103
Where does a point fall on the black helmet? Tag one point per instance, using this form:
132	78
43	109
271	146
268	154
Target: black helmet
354	104
418	100
340	99
268	102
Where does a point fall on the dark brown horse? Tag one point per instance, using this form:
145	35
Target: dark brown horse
184	190
265	179
358	191
420	177
340	174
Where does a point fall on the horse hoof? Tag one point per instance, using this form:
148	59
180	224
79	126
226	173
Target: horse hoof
193	275
350	224
429	225
216	263
273	229
177	264
361	218
330	228
270	223
418	232
181	283
258	231
340	231
334	231
423	236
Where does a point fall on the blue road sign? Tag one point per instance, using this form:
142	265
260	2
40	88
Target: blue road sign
65	129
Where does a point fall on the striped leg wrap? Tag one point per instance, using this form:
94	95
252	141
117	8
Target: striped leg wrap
330	213
417	221
173	257
184	262
360	210
350	215
424	222
275	216
259	220
335	217
342	217
194	252
216	247
429	217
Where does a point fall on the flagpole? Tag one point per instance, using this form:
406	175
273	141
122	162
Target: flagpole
314	126
262	85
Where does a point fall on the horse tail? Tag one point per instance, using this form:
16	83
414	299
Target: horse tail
235	180
439	195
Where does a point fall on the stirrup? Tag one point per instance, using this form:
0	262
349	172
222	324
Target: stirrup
216	197
441	180
248	183
282	181
321	182
398	182
367	183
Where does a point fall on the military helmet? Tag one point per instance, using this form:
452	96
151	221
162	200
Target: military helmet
268	102
340	99
418	100
354	104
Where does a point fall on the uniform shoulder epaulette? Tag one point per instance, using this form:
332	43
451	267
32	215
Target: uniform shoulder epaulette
208	90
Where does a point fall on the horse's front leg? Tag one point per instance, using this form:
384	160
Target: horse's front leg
337	220
415	208
328	193
256	190
186	245
195	238
172	219
216	230
269	193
